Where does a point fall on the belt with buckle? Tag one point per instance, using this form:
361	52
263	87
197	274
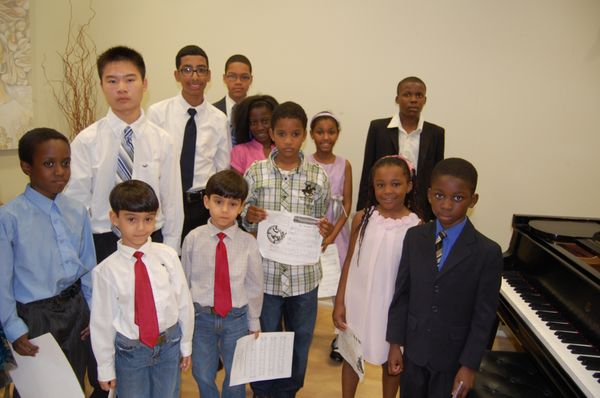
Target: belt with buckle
162	338
194	196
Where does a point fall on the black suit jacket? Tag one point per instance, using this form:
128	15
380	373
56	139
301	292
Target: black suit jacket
444	319
383	141
221	105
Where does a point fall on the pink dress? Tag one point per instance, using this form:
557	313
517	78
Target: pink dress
371	282
243	155
336	172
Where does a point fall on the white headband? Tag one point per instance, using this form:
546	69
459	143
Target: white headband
326	114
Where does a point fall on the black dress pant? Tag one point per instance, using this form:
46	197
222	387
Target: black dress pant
64	316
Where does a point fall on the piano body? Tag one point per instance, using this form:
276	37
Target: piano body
550	298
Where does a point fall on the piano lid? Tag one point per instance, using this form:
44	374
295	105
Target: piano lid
558	230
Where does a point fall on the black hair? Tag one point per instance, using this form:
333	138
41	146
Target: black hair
314	121
121	53
29	142
289	110
241	114
228	184
238	58
456	167
133	195
410	200
410	79
189	50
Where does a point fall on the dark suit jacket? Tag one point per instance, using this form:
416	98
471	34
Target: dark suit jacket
383	141
220	105
444	319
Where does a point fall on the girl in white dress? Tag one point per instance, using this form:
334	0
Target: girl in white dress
367	282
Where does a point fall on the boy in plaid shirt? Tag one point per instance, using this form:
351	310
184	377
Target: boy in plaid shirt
286	181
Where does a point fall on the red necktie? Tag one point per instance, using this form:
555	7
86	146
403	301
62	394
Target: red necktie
222	287
145	309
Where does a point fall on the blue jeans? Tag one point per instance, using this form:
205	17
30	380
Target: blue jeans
213	337
144	372
299	314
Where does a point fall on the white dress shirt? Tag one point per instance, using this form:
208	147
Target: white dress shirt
408	143
213	142
113	300
245	268
93	171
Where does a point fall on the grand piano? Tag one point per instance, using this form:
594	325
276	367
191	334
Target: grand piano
550	298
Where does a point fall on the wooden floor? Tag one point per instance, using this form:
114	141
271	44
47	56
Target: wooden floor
323	375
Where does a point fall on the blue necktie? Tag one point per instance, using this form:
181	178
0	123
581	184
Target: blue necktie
188	152
125	156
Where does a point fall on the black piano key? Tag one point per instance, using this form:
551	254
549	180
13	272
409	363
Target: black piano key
583	349
590	363
571	338
597	376
550	316
561	326
541	306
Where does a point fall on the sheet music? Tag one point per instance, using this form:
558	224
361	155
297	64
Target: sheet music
350	348
330	262
289	238
266	358
48	374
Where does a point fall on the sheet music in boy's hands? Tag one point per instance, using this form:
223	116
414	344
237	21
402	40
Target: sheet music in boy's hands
266	358
48	374
350	348
289	238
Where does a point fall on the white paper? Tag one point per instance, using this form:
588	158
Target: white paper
266	358
48	374
289	238
350	348
330	262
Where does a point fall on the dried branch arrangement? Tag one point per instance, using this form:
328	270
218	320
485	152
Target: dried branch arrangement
76	93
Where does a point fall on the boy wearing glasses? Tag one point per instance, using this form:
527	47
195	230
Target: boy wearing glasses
237	78
199	130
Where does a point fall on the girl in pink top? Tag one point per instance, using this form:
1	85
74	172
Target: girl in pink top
252	123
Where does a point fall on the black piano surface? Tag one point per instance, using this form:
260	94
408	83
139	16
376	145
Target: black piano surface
550	298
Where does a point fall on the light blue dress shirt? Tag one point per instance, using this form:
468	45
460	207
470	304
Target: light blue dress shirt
45	246
452	235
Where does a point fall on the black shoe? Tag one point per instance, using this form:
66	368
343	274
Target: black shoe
335	353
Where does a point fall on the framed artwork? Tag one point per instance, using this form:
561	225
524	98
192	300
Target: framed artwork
16	104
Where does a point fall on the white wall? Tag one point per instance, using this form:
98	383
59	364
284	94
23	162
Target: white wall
515	83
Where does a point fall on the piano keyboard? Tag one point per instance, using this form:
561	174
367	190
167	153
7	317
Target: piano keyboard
570	349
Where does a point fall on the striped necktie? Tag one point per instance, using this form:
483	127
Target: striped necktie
438	247
125	156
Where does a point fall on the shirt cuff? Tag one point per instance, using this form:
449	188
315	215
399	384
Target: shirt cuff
17	329
253	324
106	372
186	349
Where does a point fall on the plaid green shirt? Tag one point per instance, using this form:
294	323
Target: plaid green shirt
304	190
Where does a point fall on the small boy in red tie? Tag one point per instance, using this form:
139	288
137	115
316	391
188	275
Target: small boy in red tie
224	271
142	319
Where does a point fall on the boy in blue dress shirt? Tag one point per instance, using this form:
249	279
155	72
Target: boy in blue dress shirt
447	289
47	254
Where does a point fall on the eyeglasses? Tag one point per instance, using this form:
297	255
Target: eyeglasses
189	70
244	77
